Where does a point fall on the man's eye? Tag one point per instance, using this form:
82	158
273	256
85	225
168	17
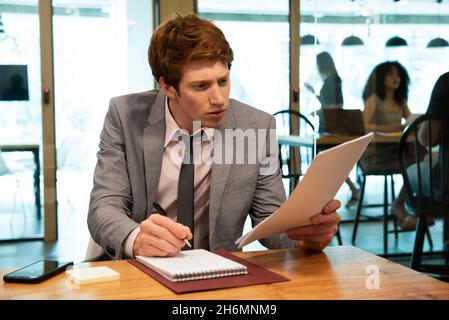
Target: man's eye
223	82
200	86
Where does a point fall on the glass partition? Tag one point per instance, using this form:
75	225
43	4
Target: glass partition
21	215
360	34
100	51
372	45
258	33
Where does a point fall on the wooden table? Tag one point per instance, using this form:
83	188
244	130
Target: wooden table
34	149
326	141
337	273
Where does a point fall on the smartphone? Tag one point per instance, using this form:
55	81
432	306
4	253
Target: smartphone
37	272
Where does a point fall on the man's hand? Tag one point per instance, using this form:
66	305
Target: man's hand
160	236
323	228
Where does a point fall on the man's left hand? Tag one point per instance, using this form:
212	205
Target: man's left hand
323	228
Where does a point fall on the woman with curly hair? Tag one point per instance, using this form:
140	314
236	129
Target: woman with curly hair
385	98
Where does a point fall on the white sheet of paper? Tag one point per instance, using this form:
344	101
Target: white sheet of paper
320	184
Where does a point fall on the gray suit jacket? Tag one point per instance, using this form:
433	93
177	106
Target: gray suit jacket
128	170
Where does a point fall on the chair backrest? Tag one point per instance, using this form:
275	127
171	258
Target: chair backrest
94	251
286	119
294	161
427	179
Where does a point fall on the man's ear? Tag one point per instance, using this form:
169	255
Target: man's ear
169	90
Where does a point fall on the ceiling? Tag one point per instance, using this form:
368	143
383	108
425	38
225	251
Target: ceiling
374	7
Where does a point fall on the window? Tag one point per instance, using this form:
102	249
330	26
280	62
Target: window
258	33
100	51
387	30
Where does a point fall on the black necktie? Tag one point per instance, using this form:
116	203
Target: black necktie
186	189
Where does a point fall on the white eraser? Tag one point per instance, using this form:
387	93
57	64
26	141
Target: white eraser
92	275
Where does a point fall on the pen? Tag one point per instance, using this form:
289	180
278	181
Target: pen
161	211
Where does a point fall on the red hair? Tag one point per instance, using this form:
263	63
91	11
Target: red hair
182	40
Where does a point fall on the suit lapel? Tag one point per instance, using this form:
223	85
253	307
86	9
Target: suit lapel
153	148
220	172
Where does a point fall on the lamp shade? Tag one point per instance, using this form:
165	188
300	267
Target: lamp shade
352	41
396	42
309	39
2	28
437	42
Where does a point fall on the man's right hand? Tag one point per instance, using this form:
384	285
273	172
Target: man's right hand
160	236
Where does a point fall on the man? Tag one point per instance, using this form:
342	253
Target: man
144	147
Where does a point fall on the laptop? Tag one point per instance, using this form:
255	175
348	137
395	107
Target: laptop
347	122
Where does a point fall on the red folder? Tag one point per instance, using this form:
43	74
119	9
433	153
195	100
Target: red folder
256	275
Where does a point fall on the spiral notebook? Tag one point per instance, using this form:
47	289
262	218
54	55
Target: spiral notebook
195	264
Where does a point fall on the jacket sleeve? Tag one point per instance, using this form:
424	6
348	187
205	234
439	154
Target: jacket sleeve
109	217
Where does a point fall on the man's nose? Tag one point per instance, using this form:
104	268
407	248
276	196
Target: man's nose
217	96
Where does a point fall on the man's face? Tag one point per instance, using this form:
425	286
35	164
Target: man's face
202	95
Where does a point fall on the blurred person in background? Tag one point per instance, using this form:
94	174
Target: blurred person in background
331	97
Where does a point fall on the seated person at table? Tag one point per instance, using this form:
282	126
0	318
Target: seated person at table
385	98
439	104
144	156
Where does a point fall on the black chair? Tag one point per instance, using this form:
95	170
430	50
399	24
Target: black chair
293	160
427	190
362	174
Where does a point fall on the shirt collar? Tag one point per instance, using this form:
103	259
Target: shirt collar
173	131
